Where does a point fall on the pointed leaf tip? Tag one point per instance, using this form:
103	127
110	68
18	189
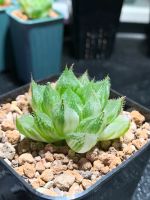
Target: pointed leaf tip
67	80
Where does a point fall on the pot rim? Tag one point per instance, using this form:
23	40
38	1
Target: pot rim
3	9
33	21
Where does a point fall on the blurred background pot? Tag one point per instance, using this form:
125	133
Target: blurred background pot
6	54
94	27
130	1
37	45
4	25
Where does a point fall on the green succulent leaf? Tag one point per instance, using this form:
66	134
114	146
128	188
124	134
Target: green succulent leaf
26	126
71	120
84	79
73	100
92	106
65	119
86	91
58	118
76	110
37	96
91	124
36	8
51	98
116	129
102	89
112	109
81	142
67	80
85	138
44	126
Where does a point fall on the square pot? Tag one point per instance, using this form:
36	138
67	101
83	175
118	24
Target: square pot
4	24
118	184
37	46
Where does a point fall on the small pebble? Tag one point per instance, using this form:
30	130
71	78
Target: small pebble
86	183
7	151
64	181
49	157
25	158
13	136
137	117
40	167
75	189
29	170
47	175
85	164
86	174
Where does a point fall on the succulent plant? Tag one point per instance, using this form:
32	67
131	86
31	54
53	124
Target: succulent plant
36	8
2	2
76	110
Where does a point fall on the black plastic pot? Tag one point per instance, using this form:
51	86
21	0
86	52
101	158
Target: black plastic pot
94	27
143	189
117	184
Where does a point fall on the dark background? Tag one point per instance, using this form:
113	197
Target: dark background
128	67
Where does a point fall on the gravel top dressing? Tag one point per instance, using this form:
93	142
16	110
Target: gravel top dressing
19	14
32	10
56	170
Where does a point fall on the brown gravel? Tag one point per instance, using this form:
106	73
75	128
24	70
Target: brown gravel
13	136
85	164
75	188
137	117
75	173
25	158
86	183
40	167
97	165
47	175
19	170
21	15
49	156
57	170
64	181
29	170
7	125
